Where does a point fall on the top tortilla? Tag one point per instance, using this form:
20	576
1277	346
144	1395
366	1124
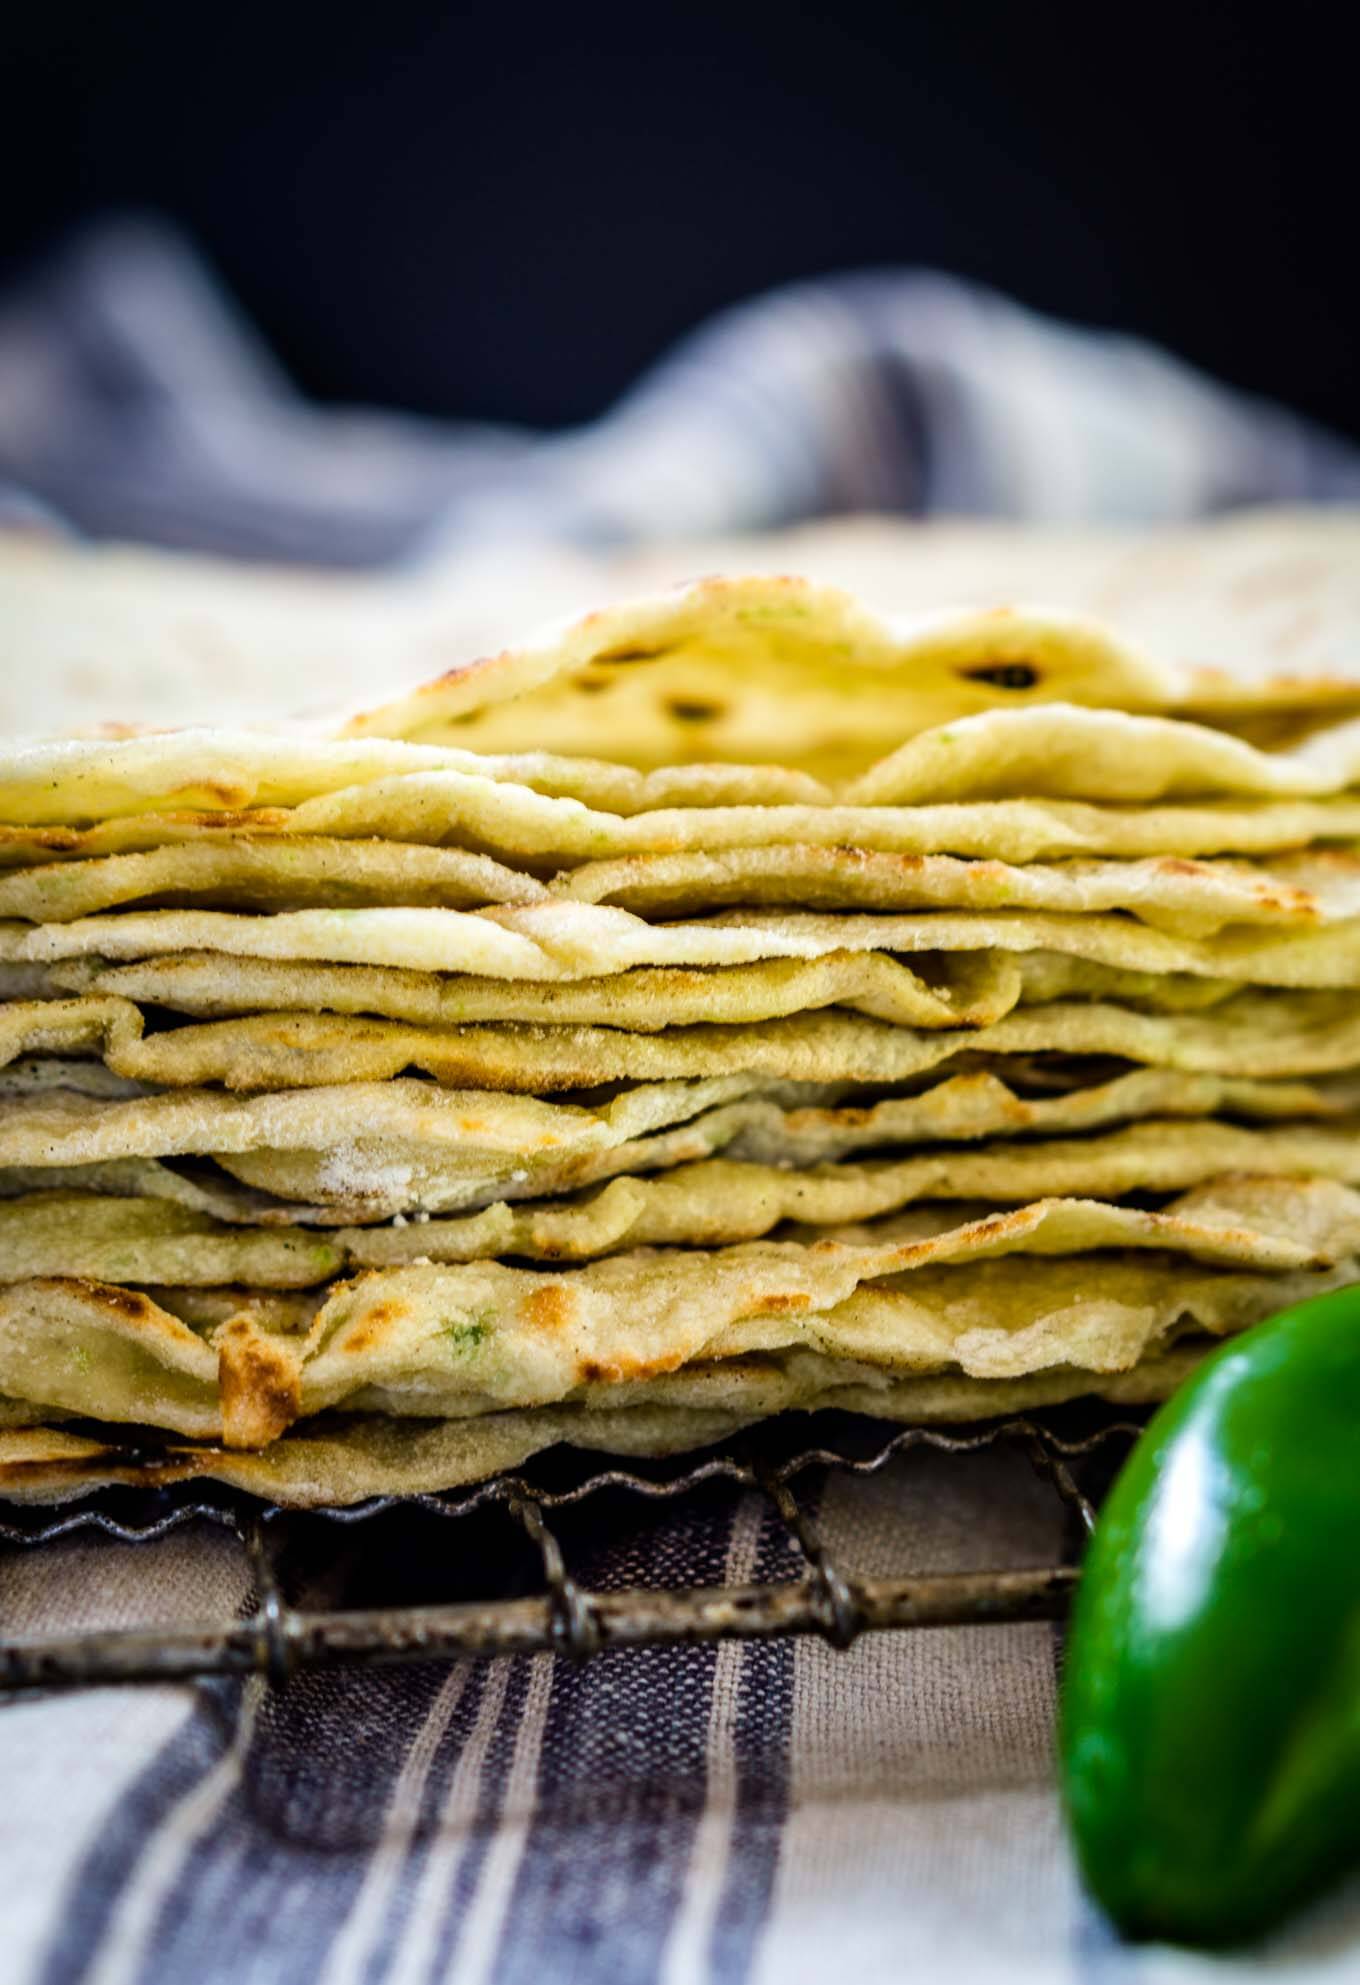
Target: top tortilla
134	636
807	694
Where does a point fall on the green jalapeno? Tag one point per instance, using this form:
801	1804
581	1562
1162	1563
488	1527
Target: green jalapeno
1210	1740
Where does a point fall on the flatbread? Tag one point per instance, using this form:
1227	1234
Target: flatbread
779	670
1254	1034
524	825
274	873
153	1240
546	942
941	666
552	942
458	1341
1262	597
173	1232
345	1459
616	813
1192	898
364	1153
82	1116
1052	751
967	989
1105	755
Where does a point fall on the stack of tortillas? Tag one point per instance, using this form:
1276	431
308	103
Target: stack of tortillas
739	1001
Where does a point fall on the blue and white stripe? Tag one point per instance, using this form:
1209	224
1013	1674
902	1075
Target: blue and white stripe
134	402
772	1812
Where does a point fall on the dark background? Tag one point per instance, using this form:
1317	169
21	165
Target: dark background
508	211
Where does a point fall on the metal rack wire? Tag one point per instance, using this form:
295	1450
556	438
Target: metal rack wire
278	1638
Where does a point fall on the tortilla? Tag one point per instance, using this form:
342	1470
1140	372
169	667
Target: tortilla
369	1179
969	989
86	1115
553	942
1032	705
266	874
345	1459
1194	898
778	670
459	1341
1254	1034
364	1153
523	825
541	832
1261	601
174	1232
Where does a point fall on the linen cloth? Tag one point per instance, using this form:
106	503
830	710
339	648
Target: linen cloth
135	402
778	1812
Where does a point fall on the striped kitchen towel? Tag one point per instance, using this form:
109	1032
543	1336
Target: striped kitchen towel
779	1812
136	403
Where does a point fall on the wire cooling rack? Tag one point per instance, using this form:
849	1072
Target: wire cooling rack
279	1637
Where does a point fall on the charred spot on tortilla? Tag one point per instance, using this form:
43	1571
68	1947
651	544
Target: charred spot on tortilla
689	710
1004	675
633	653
